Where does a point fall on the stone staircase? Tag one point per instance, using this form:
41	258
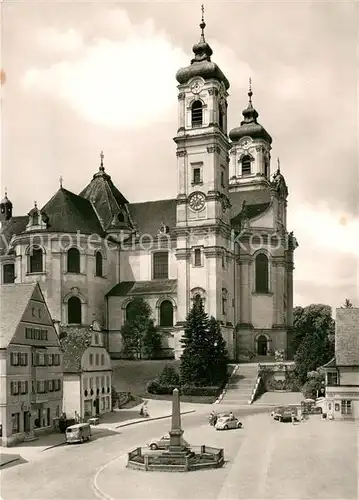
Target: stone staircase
241	385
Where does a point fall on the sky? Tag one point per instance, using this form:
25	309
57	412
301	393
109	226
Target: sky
81	77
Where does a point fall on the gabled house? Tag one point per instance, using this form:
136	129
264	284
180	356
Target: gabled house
30	364
342	372
87	373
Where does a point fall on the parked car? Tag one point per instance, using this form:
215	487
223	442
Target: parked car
284	413
78	433
163	443
225	423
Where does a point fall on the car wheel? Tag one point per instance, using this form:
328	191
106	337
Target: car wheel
82	439
239	425
279	419
225	427
153	446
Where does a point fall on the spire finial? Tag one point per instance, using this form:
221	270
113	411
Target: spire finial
61	180
5	192
203	24
102	156
35	204
278	163
250	93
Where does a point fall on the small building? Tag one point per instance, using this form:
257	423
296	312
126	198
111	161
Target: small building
87	372
30	364
342	372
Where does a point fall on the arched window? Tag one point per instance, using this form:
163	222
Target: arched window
262	345
166	313
266	168
74	311
8	273
36	260
128	312
73	261
262	274
121	217
197	114
246	165
99	264
221	118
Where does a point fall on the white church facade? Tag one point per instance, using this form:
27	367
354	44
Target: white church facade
223	238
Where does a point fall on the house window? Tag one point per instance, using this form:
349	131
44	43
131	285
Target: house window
56	359
166	313
332	378
197	257
50	359
74	310
23	359
102	359
15	418
97	357
107	381
41	360
262	274
220	116
197	114
99	266
160	265
8	273
246	165
41	386
14	388
14	359
36	260
24	387
197	175
346	407
73	261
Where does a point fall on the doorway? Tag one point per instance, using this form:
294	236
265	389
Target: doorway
262	345
27	421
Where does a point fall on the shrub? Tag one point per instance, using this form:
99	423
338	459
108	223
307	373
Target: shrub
169	376
155	387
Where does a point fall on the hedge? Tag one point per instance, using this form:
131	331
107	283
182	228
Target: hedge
154	387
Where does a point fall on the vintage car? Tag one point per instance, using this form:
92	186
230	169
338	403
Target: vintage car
225	423
284	413
162	443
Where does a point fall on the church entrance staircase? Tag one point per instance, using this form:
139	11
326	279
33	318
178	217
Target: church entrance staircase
241	385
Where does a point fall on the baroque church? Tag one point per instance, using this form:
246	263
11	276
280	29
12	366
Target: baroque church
223	239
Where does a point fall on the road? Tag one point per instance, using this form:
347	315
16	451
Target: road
265	460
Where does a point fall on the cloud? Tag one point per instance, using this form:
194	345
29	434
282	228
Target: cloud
52	40
119	84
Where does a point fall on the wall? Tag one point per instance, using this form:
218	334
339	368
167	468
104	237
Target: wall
71	398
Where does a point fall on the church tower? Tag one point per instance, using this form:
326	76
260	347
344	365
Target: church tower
203	208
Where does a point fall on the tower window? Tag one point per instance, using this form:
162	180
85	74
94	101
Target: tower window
160	265
224	301
73	261
197	114
8	273
166	313
266	169
223	178
197	257
36	260
262	273
246	165
99	264
74	311
196	175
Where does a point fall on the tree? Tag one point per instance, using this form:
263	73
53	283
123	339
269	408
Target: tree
313	352
315	318
204	357
139	333
347	304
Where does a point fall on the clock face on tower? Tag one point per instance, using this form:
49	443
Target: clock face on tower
197	201
196	87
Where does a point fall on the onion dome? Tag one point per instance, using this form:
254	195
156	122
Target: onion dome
249	126
201	64
5	201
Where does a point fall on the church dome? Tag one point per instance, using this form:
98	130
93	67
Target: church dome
249	127
201	65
